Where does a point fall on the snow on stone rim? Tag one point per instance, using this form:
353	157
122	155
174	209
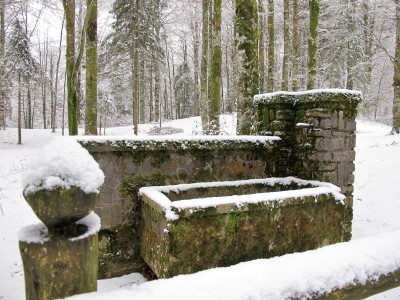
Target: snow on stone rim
181	139
39	233
63	163
92	222
269	96
156	193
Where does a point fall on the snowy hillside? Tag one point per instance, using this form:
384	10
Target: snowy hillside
376	224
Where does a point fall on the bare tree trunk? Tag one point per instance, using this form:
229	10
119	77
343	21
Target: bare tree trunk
63	104
216	70
271	47
396	77
29	105
2	71
351	55
157	89
79	89
43	57
246	62
151	90
313	44
135	89
142	90
91	69
19	109
54	111
196	45
261	49
204	65
286	46
296	46
69	8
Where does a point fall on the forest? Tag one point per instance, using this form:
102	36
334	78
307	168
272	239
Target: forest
98	63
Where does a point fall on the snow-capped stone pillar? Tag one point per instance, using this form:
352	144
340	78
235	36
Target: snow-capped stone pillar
317	128
60	255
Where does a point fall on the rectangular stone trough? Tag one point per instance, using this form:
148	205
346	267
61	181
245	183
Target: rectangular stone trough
191	227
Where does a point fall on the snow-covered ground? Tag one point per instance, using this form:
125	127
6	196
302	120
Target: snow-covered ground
376	221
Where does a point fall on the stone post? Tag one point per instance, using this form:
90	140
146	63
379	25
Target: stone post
318	129
60	257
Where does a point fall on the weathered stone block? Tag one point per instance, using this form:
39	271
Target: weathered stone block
58	265
185	236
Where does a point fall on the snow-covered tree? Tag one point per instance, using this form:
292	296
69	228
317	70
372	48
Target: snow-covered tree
20	62
183	84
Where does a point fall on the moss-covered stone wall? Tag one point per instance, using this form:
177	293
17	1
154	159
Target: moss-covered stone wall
131	164
317	140
317	130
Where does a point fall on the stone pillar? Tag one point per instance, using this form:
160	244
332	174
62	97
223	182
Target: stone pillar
60	255
319	126
56	265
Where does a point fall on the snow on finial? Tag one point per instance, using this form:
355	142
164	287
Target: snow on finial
63	163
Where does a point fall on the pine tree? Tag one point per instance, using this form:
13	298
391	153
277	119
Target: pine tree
136	33
20	62
246	61
183	84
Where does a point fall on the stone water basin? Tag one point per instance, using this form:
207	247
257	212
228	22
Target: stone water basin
191	227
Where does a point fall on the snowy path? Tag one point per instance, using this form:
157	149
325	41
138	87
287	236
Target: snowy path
376	197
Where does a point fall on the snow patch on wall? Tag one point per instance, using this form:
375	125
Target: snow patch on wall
63	163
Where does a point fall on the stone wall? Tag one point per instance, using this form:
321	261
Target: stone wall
317	130
129	164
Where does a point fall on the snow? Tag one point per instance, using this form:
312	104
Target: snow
93	224
374	247
63	163
37	234
156	194
181	139
299	275
270	96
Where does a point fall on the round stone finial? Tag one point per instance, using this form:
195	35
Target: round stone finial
61	206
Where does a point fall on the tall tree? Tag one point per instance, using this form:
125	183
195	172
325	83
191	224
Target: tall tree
216	68
135	33
204	63
91	69
286	45
271	46
296	46
246	61
72	97
2	71
261	47
20	62
396	76
313	44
